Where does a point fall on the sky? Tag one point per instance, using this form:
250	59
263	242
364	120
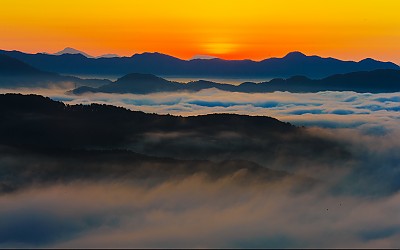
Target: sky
252	29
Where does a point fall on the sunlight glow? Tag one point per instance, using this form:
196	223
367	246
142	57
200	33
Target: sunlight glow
253	29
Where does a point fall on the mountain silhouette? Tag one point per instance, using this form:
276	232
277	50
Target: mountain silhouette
15	73
295	55
72	51
39	123
294	63
48	142
12	67
141	84
377	81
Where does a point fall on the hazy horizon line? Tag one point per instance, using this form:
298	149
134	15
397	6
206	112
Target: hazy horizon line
198	54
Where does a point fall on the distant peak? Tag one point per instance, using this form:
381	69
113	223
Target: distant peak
150	54
153	55
69	50
204	57
372	61
368	60
295	54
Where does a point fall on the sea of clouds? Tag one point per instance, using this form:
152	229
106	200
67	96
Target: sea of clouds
199	212
323	109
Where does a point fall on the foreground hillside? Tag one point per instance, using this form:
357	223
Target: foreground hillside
49	140
46	141
36	121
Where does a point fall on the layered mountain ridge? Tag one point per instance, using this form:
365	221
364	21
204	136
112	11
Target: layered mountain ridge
294	63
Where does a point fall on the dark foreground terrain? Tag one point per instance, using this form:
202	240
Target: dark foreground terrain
44	141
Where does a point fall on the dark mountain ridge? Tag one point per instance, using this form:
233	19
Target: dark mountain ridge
46	142
141	83
377	81
15	73
294	63
35	121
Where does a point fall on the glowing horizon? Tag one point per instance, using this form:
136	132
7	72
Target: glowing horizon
254	29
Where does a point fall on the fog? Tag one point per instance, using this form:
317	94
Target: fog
323	109
195	212
354	203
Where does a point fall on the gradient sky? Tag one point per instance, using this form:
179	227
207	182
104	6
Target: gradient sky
253	29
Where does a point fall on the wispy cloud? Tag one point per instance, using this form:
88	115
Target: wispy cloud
342	109
195	213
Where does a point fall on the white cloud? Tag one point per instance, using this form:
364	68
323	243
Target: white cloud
330	109
194	212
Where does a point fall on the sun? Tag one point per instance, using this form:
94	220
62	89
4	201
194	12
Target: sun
219	48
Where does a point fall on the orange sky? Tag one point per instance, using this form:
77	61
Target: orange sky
254	29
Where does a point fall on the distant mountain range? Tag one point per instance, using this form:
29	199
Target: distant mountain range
15	73
73	51
377	81
73	62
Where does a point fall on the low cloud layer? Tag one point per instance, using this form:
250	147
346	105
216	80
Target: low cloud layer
195	213
355	203
323	109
